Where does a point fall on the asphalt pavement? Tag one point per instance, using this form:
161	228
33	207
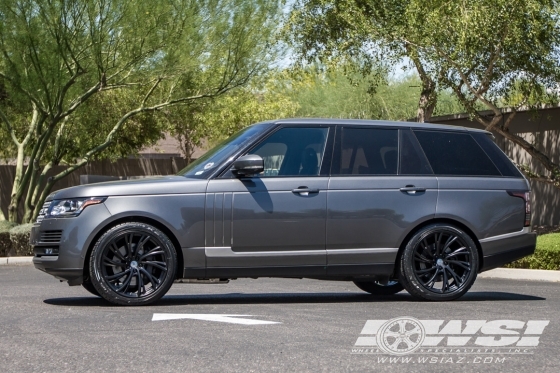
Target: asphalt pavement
274	325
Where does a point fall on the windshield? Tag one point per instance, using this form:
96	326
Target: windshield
216	156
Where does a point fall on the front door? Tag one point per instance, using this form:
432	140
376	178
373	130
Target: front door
276	218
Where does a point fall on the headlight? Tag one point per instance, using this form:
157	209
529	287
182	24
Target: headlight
71	207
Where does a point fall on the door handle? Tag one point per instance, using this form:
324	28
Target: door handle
304	191
411	189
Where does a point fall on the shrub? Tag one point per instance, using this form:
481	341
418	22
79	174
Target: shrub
5	242
546	256
19	236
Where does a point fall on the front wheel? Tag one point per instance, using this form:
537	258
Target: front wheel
379	288
439	263
133	264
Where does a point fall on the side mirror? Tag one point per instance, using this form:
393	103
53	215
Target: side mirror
249	164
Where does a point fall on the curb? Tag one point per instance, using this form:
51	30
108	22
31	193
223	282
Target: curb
16	260
522	274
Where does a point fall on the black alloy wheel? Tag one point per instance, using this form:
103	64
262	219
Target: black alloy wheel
440	262
379	287
133	264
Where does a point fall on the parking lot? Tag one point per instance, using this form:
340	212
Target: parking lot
47	326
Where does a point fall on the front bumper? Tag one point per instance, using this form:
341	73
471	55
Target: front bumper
503	249
61	244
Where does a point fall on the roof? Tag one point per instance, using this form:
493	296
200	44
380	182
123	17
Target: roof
363	122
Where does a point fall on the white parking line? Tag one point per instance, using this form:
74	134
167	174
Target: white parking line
232	319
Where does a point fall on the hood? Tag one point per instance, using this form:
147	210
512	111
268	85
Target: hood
146	186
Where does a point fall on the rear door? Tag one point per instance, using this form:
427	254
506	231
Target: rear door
381	185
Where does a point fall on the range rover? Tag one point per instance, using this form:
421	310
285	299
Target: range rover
387	205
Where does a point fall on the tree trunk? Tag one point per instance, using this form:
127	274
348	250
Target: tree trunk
17	188
427	102
428	96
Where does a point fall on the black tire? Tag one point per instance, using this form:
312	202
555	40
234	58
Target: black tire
89	287
439	253
142	255
379	288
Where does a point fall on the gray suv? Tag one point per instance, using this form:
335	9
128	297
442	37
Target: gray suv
386	205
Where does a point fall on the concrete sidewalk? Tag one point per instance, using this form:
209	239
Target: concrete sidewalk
522	274
500	273
16	260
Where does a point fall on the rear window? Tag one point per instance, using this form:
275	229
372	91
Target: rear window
504	164
452	153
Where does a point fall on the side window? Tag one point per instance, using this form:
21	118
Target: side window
412	161
452	153
293	151
501	160
366	151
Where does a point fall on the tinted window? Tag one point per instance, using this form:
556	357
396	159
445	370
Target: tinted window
413	161
451	153
293	152
501	160
366	151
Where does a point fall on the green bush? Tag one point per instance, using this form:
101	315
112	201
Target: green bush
19	236
546	256
5	242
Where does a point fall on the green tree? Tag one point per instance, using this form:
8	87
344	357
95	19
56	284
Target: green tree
65	64
208	121
487	52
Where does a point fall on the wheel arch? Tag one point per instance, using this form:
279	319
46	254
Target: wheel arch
139	219
449	221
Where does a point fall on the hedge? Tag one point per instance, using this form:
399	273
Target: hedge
19	236
5	242
546	256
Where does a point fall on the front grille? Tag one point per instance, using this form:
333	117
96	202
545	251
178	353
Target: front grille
43	211
51	236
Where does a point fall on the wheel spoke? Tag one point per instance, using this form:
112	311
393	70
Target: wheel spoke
153	281
445	284
458	282
112	263
438	244
118	275
141	288
160	265
432	279
422	271
460	263
155	251
459	251
125	284
449	241
422	258
141	242
389	333
115	250
426	248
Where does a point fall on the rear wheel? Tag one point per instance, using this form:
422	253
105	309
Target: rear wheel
380	288
133	264
439	263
